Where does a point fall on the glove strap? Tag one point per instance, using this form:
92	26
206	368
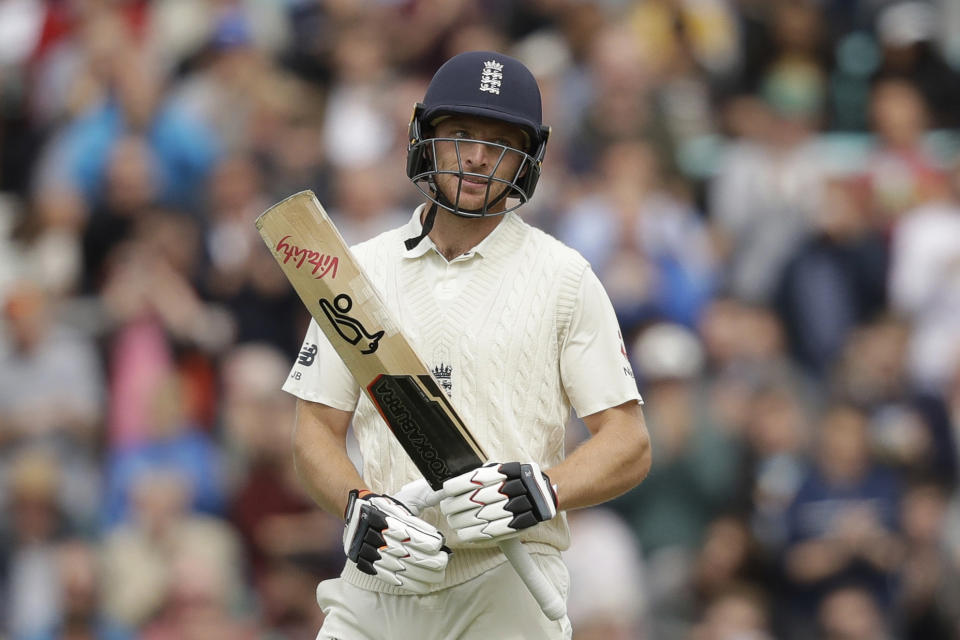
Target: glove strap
352	497
535	489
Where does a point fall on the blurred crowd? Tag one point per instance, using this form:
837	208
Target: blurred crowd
769	190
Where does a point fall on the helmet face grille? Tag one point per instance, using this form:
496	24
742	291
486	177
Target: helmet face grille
422	169
516	187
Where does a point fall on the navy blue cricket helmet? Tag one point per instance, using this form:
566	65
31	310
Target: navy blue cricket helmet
485	84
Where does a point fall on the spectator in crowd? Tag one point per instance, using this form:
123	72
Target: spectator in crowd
179	32
729	556
73	59
288	139
143	555
925	284
222	90
907	32
852	613
172	445
692	55
739	612
130	192
834	281
763	200
871	369
199	602
669	30
930	592
357	129
49	240
843	523
237	277
287	542
152	306
80	614
235	197
776	439
287	604
694	476
366	198
32	532
744	338
614	101
900	172
781	34
911	425
135	105
649	246
608	598
51	377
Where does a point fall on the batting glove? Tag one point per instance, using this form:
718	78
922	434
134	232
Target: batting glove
386	540
498	500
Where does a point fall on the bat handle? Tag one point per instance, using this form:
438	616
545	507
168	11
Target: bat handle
420	496
530	572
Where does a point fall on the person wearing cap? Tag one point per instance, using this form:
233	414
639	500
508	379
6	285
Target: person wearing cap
518	330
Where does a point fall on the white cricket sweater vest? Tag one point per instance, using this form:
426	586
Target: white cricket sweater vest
496	340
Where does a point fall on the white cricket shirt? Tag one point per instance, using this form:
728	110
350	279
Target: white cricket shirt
518	331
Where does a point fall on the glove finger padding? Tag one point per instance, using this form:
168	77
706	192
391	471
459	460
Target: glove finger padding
470	501
488	475
384	539
498	500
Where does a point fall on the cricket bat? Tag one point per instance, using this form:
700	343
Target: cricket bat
347	307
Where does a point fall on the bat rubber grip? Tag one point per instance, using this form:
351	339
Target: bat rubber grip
529	571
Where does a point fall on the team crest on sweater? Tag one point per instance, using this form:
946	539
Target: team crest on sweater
444	375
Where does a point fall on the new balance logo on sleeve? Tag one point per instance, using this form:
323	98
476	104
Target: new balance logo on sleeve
307	355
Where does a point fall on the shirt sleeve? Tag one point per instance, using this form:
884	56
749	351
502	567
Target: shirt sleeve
594	367
319	374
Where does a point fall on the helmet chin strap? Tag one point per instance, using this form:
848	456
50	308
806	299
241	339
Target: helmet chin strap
431	216
410	243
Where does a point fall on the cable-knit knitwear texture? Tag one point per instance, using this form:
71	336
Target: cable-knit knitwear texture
499	331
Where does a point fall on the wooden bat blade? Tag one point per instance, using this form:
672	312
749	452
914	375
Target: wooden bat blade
348	310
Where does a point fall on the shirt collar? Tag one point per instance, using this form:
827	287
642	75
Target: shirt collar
414	227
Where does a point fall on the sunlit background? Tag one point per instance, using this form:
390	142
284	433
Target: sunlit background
769	190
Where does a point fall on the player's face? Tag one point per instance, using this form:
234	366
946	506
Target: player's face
478	150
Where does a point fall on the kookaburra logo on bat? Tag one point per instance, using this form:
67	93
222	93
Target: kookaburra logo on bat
349	328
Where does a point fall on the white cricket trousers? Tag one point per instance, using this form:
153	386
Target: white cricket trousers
494	605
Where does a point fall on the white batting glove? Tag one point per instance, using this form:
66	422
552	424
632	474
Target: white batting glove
498	500
386	540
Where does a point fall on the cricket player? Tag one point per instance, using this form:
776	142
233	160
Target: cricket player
517	329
